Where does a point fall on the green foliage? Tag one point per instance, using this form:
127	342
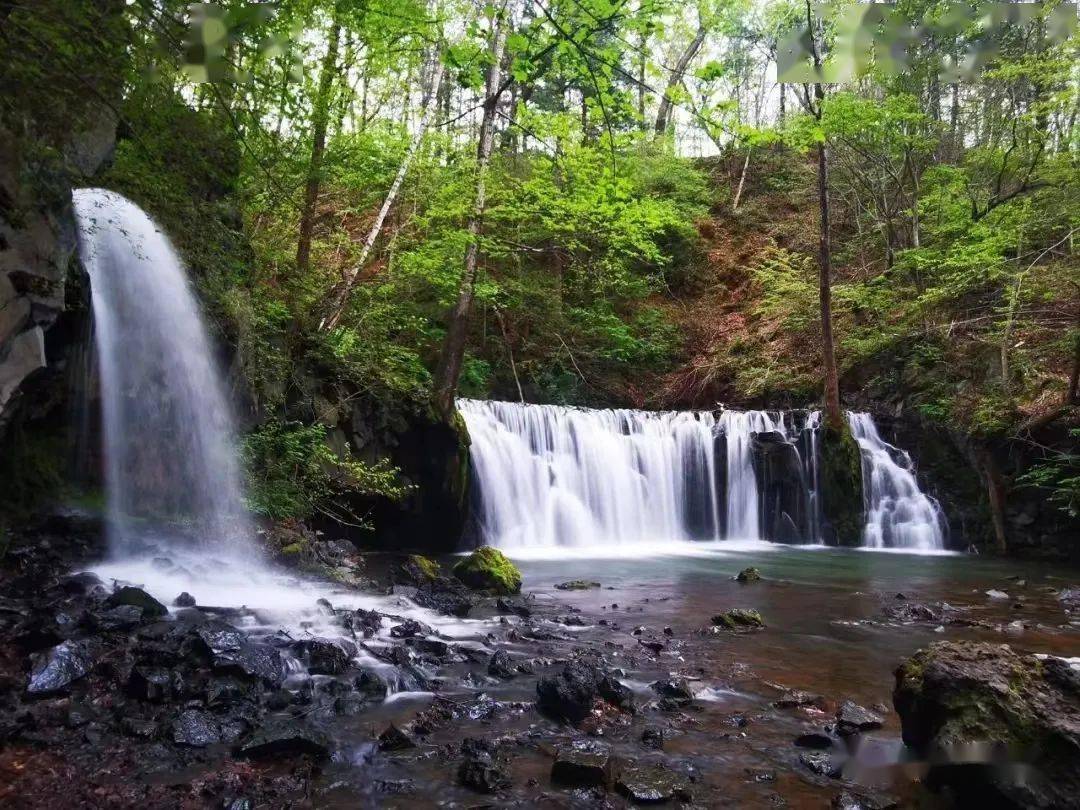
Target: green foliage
490	570
293	473
1059	476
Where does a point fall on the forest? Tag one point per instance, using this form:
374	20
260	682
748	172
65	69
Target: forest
512	391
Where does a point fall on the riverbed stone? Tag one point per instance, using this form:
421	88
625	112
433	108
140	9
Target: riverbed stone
139	598
570	694
501	665
676	691
196	728
956	698
488	569
286	739
394	739
56	669
577	585
480	767
322	656
581	768
851	718
748	575
651	785
739	620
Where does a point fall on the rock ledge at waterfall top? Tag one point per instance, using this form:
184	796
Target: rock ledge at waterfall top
982	712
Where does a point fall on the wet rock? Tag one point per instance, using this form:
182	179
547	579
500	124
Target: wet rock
748	575
121	617
431	648
220	637
279	699
489	569
675	690
993	593
910	613
286	740
139	728
152	684
570	694
516	607
364	622
139	598
480	769
577	585
1070	598
820	762
616	693
394	739
816	740
256	660
55	670
185	599
651	786
739	619
655	647
372	685
196	728
794	698
653	737
852	801
851	718
963	700
416	570
439	714
446	596
410	628
322	656
502	666
581	768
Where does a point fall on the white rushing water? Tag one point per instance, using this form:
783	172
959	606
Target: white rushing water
560	478
168	434
898	514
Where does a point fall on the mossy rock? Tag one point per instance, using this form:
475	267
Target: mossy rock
842	506
577	585
739	619
749	575
488	569
417	570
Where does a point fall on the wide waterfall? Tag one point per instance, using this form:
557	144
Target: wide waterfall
168	434
549	476
898	513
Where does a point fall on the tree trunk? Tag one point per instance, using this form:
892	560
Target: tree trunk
742	180
337	308
318	147
453	351
642	42
995	491
783	95
663	116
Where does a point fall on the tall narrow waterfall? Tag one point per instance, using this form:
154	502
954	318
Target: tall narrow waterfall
547	475
169	452
898	513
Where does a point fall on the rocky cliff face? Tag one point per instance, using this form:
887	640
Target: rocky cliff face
38	242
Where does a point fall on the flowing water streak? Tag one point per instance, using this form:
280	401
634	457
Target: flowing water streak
168	433
898	513
743	503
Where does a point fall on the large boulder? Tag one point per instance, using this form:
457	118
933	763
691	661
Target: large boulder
1001	728
488	569
840	481
783	488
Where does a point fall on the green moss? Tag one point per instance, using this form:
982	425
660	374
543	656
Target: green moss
489	569
841	486
422	569
739	619
749	575
293	550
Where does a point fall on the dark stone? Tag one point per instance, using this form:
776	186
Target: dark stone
129	595
446	596
196	728
185	599
56	669
480	768
256	660
372	685
675	690
739	619
220	637
394	739
501	665
653	737
817	740
851	801
286	740
794	698
121	617
782	488
365	622
322	656
852	718
570	694
953	697
580	768
820	762
153	684
910	612
279	699
651	786
227	690
840	482
515	607
138	727
748	575
616	693
410	628
416	570
429	647
577	585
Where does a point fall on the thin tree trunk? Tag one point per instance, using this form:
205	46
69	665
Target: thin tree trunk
663	116
742	179
642	42
453	352
337	308
783	107
995	492
318	147
833	415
